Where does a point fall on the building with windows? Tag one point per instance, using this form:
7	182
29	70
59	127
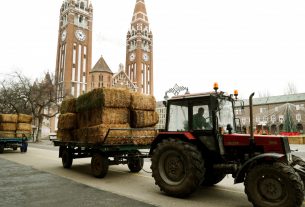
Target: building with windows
274	114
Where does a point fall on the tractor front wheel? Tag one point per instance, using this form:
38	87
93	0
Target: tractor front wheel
177	167
276	184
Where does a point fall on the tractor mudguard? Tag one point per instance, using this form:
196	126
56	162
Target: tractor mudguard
185	136
240	175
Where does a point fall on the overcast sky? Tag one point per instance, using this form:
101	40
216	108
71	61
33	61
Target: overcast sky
253	46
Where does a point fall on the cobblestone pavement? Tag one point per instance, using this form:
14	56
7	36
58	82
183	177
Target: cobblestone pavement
26	187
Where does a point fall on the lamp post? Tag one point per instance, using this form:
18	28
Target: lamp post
176	90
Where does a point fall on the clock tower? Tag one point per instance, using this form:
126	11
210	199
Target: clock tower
74	50
139	51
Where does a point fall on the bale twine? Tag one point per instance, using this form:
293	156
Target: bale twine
25	118
140	118
67	121
68	105
142	102
8	126
8	118
24	127
103	97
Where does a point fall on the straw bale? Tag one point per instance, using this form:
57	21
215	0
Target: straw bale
19	134
142	102
8	118
67	121
99	132
142	140
8	127
103	116
68	105
136	133
65	135
140	118
103	97
24	118
7	134
118	141
24	127
81	135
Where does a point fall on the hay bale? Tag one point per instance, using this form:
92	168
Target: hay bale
8	126
103	97
7	134
98	133
143	140
81	135
143	102
140	118
8	118
24	127
65	135
24	118
105	115
27	134
67	121
68	105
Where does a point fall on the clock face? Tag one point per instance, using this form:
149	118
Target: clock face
80	35
63	35
132	57
145	56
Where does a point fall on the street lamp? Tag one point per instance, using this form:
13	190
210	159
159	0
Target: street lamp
176	90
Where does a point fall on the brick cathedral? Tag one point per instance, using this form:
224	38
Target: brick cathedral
74	74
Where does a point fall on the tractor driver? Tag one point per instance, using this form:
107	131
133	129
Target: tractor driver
199	122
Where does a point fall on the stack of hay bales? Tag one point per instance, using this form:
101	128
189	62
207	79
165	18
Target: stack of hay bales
15	125
67	120
93	115
143	114
100	110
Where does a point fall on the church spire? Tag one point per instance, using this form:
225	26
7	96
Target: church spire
139	12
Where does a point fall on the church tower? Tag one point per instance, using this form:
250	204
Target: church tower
139	51
74	50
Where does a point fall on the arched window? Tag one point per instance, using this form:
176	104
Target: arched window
82	5
80	19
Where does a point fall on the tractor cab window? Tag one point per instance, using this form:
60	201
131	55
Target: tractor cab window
225	115
201	118
178	118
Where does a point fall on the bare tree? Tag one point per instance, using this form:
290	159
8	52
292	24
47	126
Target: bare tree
19	95
262	94
290	89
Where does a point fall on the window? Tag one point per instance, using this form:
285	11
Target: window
273	118
297	107
298	117
281	118
178	119
263	110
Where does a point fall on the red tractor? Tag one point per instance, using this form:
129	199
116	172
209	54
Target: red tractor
193	151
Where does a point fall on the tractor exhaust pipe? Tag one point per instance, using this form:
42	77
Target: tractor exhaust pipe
252	141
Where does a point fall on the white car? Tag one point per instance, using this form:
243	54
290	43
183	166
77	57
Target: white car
52	136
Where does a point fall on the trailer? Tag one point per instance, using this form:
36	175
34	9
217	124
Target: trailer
14	143
103	154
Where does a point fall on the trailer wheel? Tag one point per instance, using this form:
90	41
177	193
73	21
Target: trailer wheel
1	148
135	164
66	158
211	177
177	167
99	165
277	184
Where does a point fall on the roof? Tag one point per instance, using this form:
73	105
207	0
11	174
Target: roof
277	99
101	66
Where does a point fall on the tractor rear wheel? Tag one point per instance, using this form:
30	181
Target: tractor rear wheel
276	184
177	167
